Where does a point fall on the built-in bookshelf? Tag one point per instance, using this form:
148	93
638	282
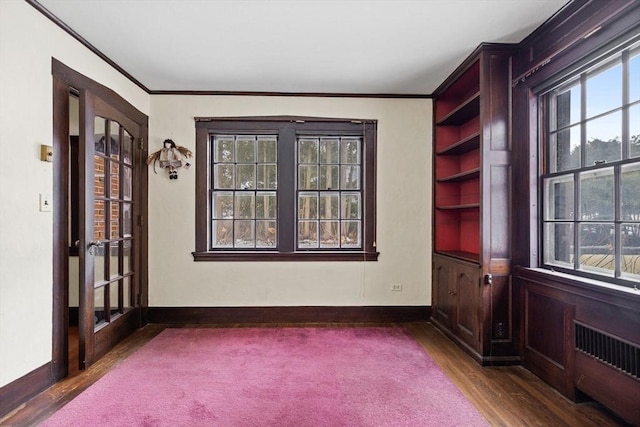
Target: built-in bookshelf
457	167
471	198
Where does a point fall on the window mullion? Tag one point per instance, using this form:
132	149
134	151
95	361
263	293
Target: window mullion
617	240
551	155
286	189
626	137
576	176
577	217
583	120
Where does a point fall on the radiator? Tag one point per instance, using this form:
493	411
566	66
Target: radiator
608	349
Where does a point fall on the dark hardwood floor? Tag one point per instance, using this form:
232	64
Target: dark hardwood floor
506	396
74	366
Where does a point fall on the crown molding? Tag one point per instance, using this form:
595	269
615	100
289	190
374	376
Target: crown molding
40	8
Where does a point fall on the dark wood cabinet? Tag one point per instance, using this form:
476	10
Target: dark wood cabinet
443	292
456	299
466	279
472	298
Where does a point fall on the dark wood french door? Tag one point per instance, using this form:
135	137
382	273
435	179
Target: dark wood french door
109	215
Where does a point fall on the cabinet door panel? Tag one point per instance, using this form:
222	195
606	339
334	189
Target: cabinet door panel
443	296
467	282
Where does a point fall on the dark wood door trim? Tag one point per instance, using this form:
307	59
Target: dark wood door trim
60	344
79	81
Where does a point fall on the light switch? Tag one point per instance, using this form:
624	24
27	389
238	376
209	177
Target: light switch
45	202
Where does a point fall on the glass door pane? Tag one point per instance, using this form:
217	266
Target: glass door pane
113	220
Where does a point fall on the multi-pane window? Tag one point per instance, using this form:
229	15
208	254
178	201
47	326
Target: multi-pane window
591	176
285	188
329	197
244	202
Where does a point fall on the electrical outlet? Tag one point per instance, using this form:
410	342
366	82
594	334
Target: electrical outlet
396	287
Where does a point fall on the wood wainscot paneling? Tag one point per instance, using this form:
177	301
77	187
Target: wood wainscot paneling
310	314
552	307
546	351
583	338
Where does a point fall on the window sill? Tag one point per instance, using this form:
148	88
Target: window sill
570	281
291	256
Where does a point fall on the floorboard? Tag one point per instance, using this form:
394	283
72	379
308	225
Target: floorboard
506	396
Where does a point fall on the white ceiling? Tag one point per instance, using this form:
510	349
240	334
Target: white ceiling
308	46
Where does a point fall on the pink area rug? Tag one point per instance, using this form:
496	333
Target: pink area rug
365	376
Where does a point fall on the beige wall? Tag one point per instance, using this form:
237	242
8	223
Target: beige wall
28	40
403	222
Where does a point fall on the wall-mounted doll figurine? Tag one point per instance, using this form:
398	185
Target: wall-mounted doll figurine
171	158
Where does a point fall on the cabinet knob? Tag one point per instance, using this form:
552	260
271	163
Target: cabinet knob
488	279
452	293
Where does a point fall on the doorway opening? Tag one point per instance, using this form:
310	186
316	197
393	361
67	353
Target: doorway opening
99	203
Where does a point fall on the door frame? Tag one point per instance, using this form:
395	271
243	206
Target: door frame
65	80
